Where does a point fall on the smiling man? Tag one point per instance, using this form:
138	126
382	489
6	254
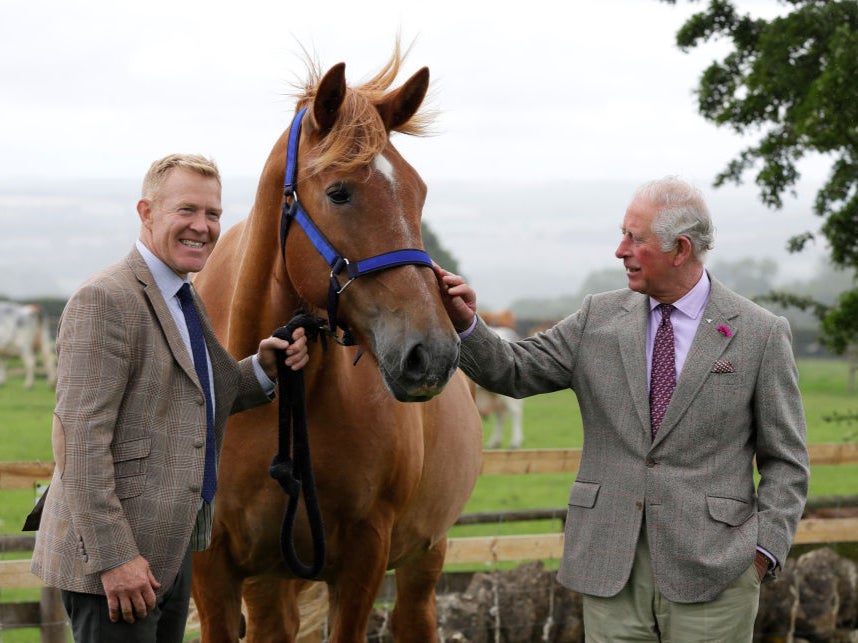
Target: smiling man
180	215
683	387
143	393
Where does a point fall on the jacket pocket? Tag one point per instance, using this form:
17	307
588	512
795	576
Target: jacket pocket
129	466
730	511
583	494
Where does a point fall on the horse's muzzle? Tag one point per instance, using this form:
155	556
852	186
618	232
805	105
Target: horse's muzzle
421	371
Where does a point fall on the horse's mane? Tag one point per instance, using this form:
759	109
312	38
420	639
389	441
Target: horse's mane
358	135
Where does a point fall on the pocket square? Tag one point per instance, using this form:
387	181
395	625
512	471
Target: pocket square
722	366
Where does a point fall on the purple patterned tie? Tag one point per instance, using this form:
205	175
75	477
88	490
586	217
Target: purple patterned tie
663	377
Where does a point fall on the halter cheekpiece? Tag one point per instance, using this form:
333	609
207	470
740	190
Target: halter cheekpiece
292	209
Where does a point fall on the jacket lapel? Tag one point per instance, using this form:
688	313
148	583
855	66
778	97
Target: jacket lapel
632	346
226	377
163	315
706	347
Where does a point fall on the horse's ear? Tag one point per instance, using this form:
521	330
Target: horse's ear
329	96
398	108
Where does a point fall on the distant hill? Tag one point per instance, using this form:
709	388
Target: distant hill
512	242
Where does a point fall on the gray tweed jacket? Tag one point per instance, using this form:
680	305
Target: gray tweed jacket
693	486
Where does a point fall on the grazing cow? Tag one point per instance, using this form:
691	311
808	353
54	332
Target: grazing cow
25	334
500	407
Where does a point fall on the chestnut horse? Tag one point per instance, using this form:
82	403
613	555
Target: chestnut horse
395	437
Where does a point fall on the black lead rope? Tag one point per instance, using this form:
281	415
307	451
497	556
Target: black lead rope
295	473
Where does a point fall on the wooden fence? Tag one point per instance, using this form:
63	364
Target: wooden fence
471	550
543	546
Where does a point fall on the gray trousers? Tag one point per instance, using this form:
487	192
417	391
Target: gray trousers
90	619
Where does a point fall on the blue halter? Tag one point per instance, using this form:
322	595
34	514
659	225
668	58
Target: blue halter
336	261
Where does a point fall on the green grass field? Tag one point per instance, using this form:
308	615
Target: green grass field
550	421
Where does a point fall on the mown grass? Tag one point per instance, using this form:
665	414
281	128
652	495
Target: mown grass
550	421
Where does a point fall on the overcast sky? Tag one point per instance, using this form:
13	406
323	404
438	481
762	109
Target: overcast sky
579	90
587	88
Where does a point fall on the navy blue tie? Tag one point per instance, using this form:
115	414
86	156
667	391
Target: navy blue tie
201	364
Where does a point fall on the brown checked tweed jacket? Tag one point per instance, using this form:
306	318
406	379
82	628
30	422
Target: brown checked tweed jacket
129	431
693	487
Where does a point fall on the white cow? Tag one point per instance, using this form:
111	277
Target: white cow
501	407
25	334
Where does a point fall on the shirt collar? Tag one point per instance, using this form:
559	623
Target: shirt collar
692	303
168	282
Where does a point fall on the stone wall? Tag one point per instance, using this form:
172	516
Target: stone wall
813	600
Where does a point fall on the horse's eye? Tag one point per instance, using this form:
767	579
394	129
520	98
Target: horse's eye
339	194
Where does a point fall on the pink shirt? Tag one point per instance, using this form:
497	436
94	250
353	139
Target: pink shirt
685	320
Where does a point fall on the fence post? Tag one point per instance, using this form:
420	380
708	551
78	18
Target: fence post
53	616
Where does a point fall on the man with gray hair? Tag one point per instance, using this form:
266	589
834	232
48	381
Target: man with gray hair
683	385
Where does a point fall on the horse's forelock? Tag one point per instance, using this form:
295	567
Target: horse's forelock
358	134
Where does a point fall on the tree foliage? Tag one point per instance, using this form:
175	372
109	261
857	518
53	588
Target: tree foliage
749	276
439	253
790	83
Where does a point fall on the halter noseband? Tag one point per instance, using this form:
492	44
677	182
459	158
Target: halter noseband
336	261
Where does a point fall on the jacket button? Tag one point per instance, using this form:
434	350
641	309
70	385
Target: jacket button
650	463
199	444
639	506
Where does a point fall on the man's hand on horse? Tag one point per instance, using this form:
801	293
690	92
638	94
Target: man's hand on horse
459	298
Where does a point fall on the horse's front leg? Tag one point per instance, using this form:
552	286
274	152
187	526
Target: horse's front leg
497	435
516	412
29	361
358	579
272	609
217	595
414	618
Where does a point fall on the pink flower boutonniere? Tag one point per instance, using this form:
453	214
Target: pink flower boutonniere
725	331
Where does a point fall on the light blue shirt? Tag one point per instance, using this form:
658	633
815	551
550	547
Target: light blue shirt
168	283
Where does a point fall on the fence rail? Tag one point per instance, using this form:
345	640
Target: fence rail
22	475
469	550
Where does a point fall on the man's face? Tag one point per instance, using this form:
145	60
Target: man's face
181	224
649	269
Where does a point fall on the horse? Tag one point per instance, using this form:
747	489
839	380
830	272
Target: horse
394	434
496	407
500	408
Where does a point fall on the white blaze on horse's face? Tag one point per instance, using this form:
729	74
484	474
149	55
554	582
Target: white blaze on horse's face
385	167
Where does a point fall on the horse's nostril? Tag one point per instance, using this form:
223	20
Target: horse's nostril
416	362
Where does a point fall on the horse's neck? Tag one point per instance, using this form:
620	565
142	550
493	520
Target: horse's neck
264	298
